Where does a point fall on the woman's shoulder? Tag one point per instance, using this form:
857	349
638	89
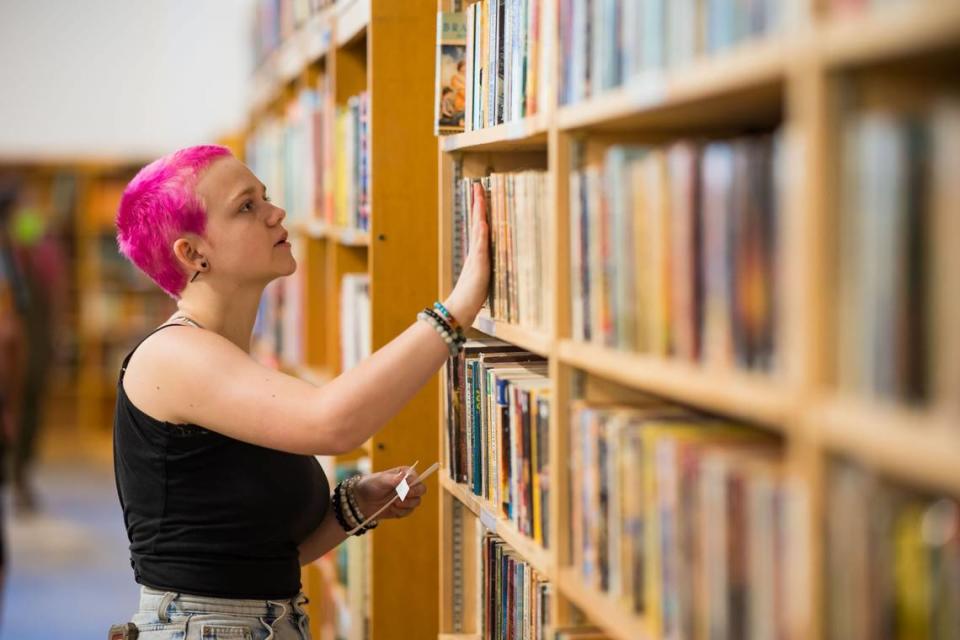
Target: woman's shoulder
153	376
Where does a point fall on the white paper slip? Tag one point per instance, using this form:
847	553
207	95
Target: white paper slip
403	489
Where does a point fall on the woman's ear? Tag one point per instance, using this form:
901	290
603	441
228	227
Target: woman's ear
190	259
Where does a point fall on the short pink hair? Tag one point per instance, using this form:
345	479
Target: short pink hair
160	205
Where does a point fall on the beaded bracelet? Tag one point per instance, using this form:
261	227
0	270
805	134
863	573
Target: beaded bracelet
443	322
355	507
449	316
453	342
338	508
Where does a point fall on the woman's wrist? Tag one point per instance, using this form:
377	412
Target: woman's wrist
462	312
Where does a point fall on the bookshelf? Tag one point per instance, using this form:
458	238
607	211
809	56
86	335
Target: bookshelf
338	51
794	79
116	304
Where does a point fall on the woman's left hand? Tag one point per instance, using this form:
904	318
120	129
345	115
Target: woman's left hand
375	490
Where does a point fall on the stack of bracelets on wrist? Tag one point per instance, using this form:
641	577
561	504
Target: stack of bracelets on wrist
347	509
446	325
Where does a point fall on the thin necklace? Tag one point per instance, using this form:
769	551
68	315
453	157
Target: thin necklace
187	320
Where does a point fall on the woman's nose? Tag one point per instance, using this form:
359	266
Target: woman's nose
277	215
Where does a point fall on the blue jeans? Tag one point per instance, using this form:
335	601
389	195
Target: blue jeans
176	616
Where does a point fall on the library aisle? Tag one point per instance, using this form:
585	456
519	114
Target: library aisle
712	391
68	558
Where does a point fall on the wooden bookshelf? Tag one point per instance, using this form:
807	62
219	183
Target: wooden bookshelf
789	80
356	46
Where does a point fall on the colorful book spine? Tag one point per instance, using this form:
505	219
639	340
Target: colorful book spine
516	599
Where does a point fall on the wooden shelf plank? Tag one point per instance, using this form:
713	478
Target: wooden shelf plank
755	69
319	229
317	37
902	29
524	338
919	447
750	396
601	610
353	16
530	551
459	636
526	134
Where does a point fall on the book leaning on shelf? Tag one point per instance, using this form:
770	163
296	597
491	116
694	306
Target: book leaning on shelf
681	518
609	43
673	250
451	82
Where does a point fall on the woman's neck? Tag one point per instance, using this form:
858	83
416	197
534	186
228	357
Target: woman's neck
230	314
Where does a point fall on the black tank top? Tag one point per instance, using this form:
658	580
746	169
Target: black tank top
210	515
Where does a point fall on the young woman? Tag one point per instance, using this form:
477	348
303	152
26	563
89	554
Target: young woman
222	498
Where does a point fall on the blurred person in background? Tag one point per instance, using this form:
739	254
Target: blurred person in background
35	262
11	292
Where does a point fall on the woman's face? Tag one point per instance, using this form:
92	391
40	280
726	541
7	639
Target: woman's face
244	238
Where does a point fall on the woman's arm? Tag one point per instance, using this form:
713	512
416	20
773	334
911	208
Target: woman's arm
325	537
212	383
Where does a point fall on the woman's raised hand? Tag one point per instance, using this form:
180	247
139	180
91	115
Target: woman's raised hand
470	291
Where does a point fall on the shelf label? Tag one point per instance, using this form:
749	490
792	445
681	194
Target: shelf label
516	130
488	520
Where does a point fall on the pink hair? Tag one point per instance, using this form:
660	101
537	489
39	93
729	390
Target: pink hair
158	206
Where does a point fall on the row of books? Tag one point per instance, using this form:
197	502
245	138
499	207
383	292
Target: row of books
516	599
352	164
497	426
674	250
520	232
897	173
278	332
681	518
277	20
496	63
354	319
286	153
316	158
893	559
608	43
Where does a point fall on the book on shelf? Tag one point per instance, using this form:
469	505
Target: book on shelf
497	431
611	43
451	76
896	168
520	229
351	197
673	250
355	342
503	61
516	598
681	518
892	558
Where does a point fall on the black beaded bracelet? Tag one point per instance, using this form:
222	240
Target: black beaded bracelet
338	508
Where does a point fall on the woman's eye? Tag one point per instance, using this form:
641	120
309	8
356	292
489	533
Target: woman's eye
247	206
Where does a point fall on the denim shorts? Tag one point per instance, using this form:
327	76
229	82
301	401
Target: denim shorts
177	616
